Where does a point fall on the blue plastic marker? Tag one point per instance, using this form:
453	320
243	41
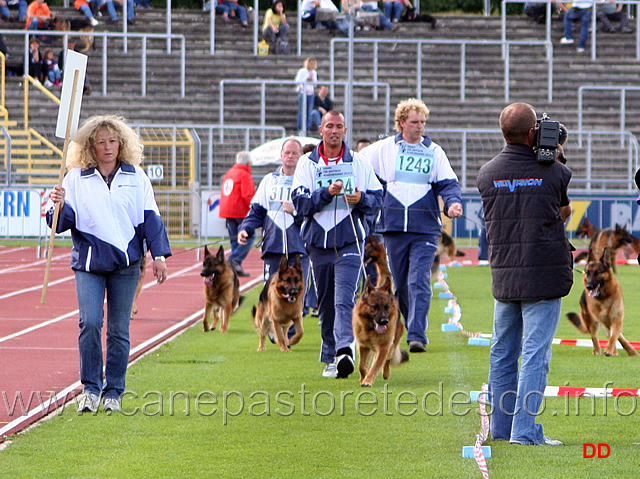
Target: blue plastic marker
445	295
450	327
479	342
467	452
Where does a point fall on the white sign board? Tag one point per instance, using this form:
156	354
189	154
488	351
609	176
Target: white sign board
155	172
212	224
75	62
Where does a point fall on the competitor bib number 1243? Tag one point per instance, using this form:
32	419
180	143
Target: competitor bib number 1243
414	164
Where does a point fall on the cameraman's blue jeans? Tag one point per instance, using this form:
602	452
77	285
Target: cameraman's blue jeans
582	14
525	327
120	287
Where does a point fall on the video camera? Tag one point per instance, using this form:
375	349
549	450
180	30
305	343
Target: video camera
549	134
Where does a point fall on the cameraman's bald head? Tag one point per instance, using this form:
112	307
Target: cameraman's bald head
516	123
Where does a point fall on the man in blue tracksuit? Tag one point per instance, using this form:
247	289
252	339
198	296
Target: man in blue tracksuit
333	189
416	171
272	210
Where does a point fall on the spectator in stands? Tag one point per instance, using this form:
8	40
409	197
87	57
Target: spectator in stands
113	15
411	16
236	193
231	8
372	6
322	103
537	11
309	12
85	6
275	25
51	69
610	11
3	46
306	91
142	3
20	4
579	11
393	9
38	15
35	60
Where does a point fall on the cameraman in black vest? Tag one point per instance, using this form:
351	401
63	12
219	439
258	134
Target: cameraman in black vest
525	206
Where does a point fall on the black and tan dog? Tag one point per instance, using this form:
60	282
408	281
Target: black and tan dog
143	270
446	245
221	290
612	239
377	329
601	303
74	25
374	252
280	305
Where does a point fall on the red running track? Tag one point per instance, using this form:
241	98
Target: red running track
39	364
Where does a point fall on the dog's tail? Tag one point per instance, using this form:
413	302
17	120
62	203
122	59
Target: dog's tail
460	253
399	356
577	322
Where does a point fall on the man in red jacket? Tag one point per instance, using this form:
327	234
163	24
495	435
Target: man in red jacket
236	193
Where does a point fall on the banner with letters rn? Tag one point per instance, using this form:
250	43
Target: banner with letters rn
602	210
22	213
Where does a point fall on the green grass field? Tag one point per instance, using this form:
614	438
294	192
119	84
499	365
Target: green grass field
210	405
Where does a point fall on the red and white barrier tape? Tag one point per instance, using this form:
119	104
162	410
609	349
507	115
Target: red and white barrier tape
478	452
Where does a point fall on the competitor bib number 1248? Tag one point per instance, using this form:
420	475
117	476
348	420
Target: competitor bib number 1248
326	175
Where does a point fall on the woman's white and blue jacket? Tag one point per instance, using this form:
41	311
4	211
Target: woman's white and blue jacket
266	212
326	218
109	225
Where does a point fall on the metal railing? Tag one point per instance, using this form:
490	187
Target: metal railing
466	160
263	102
593	21
7	154
106	36
463	43
623	109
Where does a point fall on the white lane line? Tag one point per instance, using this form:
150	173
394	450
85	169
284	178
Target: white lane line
13	269
64	394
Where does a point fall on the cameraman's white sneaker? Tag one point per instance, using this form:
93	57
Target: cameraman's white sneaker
566	41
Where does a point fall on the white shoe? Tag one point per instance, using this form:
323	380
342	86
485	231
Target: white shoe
94	22
111	404
551	442
88	402
48	84
580	50
330	371
566	41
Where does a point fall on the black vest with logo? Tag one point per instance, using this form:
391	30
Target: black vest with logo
529	252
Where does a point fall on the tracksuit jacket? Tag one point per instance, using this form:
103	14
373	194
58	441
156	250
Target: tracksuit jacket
236	192
109	225
266	212
411	207
326	218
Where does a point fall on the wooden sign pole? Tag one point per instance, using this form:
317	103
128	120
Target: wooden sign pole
56	213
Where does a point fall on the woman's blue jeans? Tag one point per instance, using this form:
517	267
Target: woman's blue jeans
120	288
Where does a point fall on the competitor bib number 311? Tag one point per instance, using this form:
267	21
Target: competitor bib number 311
327	175
414	164
279	190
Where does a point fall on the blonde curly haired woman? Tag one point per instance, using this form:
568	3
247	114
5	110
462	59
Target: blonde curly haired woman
108	204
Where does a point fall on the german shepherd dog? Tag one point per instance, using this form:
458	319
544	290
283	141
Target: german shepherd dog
589	230
143	270
221	290
446	245
378	329
612	239
375	253
280	305
74	25
601	303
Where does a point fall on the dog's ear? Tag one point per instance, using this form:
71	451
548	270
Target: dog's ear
368	287
297	264
284	263
386	286
591	257
220	254
206	251
606	258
